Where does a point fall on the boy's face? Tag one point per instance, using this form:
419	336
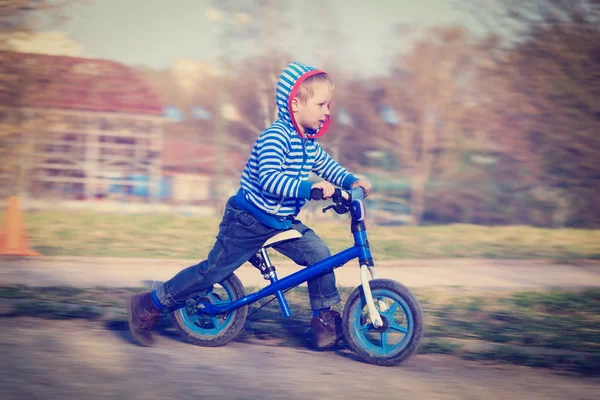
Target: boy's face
314	113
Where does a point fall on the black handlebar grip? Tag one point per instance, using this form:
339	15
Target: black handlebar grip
316	194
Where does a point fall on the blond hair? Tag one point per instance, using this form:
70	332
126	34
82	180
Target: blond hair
306	92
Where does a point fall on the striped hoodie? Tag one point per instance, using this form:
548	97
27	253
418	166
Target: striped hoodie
274	183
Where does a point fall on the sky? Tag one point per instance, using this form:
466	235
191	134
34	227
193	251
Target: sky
155	32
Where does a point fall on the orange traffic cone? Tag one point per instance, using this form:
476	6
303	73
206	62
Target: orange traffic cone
13	241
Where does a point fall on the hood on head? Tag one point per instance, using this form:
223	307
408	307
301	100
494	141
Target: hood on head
287	88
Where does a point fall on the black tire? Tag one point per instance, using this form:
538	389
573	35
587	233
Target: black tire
361	335
198	332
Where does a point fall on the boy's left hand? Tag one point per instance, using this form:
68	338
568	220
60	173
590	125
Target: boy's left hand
365	184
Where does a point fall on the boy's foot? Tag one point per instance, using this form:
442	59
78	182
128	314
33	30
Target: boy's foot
327	329
142	315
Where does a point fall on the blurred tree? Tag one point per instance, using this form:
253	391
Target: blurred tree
255	81
21	17
361	99
18	17
430	89
551	77
254	78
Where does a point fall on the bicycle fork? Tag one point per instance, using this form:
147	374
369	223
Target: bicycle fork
367	272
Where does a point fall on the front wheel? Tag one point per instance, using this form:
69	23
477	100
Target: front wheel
212	330
402	329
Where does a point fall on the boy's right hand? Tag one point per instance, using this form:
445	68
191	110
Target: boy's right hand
328	188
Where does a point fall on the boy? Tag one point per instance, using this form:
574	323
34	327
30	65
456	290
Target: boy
274	187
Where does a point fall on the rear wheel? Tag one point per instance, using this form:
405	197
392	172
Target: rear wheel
402	329
212	330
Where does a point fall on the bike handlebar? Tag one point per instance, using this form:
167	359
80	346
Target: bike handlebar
356	193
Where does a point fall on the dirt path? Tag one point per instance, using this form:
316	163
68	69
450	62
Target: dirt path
83	359
472	273
75	359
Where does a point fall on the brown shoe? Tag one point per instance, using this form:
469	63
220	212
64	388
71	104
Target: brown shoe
327	329
142	315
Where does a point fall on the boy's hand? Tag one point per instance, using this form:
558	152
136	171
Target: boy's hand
365	184
327	188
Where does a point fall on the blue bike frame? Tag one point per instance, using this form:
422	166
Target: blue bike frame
360	250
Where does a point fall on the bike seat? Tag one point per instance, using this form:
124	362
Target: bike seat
282	237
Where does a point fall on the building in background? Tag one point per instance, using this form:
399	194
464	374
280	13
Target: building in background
189	169
84	128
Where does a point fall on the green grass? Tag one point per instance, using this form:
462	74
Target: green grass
82	233
552	329
550	319
438	346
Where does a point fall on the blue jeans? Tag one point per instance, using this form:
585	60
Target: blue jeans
240	237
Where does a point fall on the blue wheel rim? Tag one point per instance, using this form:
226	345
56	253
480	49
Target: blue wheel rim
400	320
198	322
